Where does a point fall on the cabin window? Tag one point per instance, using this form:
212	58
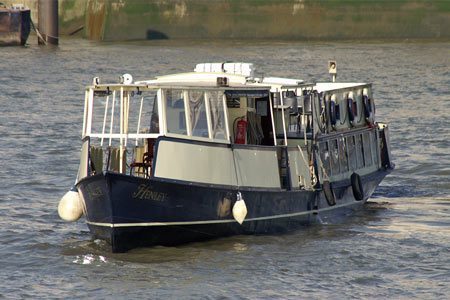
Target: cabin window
139	120
204	110
140	109
338	113
98	107
367	149
154	118
197	113
175	112
374	147
217	111
325	157
343	155
294	126
359	151
334	153
233	102
352	152
262	108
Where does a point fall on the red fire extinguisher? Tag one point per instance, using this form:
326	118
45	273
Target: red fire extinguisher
240	132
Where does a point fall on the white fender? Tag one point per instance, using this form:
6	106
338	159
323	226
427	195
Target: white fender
70	208
239	209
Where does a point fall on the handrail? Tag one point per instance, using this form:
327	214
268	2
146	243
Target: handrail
130	135
345	89
104	118
139	120
121	131
112	117
273	120
282	117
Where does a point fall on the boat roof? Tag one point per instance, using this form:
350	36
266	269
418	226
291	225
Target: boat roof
192	80
197	77
178	85
209	79
226	76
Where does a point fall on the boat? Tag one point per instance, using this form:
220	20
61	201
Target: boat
221	151
14	25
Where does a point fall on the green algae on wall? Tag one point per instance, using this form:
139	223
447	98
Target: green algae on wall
115	20
71	15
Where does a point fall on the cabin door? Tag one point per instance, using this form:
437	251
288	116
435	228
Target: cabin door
263	109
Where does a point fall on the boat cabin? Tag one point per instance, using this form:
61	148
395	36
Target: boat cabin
223	124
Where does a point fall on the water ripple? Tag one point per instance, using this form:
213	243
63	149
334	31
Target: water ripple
397	247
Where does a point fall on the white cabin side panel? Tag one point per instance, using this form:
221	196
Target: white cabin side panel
299	168
196	163
216	165
257	168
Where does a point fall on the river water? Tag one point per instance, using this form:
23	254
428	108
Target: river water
398	247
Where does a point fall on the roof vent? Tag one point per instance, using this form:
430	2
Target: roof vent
245	69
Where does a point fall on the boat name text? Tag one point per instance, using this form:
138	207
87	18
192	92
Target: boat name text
95	192
144	192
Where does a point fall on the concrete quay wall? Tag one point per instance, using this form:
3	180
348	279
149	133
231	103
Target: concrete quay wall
119	20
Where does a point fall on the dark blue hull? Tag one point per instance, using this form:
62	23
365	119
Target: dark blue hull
130	212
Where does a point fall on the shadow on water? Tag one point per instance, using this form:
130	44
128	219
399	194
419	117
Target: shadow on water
397	246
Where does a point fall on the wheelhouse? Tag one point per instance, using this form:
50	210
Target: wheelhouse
228	128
